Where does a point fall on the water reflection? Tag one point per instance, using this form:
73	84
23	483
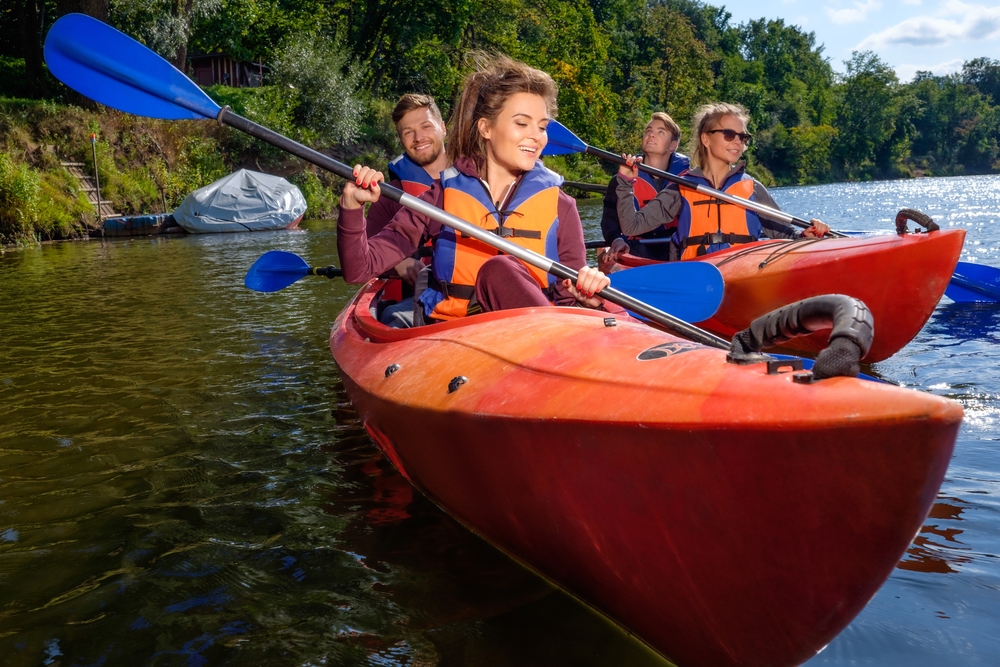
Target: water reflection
933	549
966	322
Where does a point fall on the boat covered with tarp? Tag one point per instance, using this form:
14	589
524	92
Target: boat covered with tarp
244	201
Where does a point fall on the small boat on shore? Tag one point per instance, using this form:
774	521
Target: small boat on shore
900	277
244	201
725	515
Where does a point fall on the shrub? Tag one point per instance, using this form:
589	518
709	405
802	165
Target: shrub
321	196
323	84
13	77
20	195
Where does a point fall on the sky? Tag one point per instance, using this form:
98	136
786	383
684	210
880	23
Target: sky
910	35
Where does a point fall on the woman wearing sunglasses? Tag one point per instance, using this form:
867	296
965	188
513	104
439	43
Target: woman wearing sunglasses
707	224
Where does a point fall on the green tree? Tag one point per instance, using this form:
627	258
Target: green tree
255	30
984	74
576	60
323	84
165	26
677	75
868	112
956	126
796	78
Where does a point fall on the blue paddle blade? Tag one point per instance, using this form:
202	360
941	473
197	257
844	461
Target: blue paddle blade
690	291
971	283
275	270
562	141
110	67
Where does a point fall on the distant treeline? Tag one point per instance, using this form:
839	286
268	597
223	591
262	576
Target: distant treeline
334	68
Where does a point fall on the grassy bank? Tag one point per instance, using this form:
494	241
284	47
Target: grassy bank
145	166
149	166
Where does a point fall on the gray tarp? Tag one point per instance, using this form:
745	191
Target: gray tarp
246	201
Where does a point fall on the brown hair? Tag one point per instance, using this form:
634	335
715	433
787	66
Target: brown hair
411	101
707	118
674	128
484	94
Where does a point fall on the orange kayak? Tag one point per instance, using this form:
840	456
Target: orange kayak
900	277
724	515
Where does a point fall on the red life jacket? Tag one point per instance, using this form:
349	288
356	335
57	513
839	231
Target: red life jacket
645	189
530	220
415	180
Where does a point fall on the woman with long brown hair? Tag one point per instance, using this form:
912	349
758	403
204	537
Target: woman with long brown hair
497	181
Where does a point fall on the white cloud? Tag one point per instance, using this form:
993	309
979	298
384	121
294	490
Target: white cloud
955	22
856	14
907	72
911	3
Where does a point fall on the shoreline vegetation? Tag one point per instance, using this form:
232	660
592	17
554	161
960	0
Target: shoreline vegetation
327	85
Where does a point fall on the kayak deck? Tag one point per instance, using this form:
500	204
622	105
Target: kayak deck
900	277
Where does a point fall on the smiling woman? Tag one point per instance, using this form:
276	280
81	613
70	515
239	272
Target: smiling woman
497	182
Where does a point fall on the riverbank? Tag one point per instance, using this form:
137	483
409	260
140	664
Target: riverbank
148	166
145	166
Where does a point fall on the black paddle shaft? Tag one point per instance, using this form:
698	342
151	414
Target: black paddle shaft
227	117
691	185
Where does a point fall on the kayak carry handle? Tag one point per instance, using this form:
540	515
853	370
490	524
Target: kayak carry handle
851	338
916	216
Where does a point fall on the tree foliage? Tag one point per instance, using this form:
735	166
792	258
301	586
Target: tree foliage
336	67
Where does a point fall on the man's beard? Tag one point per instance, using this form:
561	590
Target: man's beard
424	161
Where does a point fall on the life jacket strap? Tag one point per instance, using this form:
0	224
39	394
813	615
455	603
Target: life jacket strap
449	290
507	232
717	238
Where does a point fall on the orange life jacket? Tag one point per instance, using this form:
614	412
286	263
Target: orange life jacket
707	224
415	180
530	220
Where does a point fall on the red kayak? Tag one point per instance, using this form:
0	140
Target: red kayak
724	515
900	277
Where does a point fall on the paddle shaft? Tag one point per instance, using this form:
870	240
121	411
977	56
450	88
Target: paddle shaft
594	245
558	270
328	271
772	213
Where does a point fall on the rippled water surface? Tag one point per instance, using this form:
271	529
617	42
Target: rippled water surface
183	482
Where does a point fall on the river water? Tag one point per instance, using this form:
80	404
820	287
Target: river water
183	482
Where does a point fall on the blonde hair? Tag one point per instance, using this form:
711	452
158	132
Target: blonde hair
411	101
674	128
484	94
707	118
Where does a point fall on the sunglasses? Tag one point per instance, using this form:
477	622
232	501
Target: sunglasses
730	135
